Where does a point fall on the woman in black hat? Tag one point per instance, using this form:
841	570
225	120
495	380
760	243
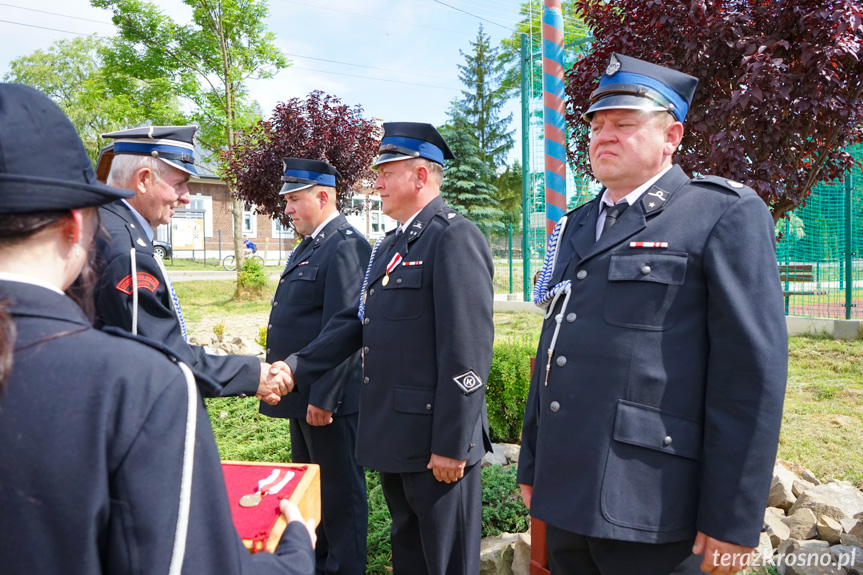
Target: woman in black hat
108	460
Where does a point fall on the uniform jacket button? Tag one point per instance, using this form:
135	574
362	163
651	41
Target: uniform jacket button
365	379
275	303
372	291
555	407
581	274
270	326
366	349
645	270
366	321
570	317
667	441
561	360
243	395
428	407
471	446
300	274
281	281
398	281
268	350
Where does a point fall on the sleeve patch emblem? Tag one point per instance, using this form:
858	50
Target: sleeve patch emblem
145	281
469	382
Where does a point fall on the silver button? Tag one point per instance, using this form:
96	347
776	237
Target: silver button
366	350
365	380
398	281
428	407
132	226
270	326
281	281
581	274
372	291
561	360
555	407
667	440
300	274
645	270
243	396
366	321
275	303
570	317
268	350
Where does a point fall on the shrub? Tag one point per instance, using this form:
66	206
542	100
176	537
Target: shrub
261	339
219	330
503	511
252	280
506	392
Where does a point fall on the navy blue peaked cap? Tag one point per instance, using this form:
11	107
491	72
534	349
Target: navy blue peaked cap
406	140
43	165
301	174
174	145
630	83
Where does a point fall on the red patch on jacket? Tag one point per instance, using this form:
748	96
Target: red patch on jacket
145	281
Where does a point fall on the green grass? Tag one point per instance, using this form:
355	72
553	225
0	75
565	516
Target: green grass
215	298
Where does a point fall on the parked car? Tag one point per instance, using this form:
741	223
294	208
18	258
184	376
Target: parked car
162	249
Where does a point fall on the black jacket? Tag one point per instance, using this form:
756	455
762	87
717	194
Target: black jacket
92	427
423	334
156	319
662	410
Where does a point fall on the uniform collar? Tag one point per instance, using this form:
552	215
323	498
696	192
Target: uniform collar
141	221
632	196
320	228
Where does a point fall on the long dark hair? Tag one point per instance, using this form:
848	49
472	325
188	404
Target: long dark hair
14	229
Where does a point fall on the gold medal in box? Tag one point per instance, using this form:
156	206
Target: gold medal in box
255	491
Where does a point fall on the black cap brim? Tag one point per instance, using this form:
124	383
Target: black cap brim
28	194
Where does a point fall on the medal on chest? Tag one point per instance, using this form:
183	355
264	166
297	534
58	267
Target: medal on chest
390	267
272	484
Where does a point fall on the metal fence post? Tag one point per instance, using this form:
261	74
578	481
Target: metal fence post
849	252
525	167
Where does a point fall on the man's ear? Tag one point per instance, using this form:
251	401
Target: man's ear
673	137
423	174
323	196
142	178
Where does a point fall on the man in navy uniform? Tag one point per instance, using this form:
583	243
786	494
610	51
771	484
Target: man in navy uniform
424	324
323	275
134	292
653	416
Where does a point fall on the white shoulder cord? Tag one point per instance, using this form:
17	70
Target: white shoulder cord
179	551
132	254
545	297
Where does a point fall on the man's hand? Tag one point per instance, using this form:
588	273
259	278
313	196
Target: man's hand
446	469
292	513
276	381
318	417
526	493
721	558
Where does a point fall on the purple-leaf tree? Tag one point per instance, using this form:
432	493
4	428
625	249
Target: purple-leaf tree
779	85
318	127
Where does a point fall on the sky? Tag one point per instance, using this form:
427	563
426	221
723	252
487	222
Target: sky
397	59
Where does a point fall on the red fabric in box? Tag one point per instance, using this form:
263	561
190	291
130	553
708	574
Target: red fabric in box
255	523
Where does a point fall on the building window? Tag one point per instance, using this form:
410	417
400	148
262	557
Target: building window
250	222
280	231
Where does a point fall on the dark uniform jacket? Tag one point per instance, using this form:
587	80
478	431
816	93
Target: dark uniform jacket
157	319
317	283
427	340
93	427
662	410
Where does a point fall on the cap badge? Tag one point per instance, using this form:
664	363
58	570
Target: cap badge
613	66
734	184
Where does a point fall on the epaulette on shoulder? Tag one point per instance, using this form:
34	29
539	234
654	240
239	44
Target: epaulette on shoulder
166	351
348	231
449	214
724	183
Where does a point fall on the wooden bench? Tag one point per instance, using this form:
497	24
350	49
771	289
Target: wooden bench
797	273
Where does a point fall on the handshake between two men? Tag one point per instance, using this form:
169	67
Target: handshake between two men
276	381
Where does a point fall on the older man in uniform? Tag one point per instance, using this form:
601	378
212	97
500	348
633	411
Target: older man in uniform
653	416
424	323
134	292
323	275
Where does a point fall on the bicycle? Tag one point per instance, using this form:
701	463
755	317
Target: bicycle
229	262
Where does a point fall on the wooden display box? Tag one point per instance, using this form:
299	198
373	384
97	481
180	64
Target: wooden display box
261	526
